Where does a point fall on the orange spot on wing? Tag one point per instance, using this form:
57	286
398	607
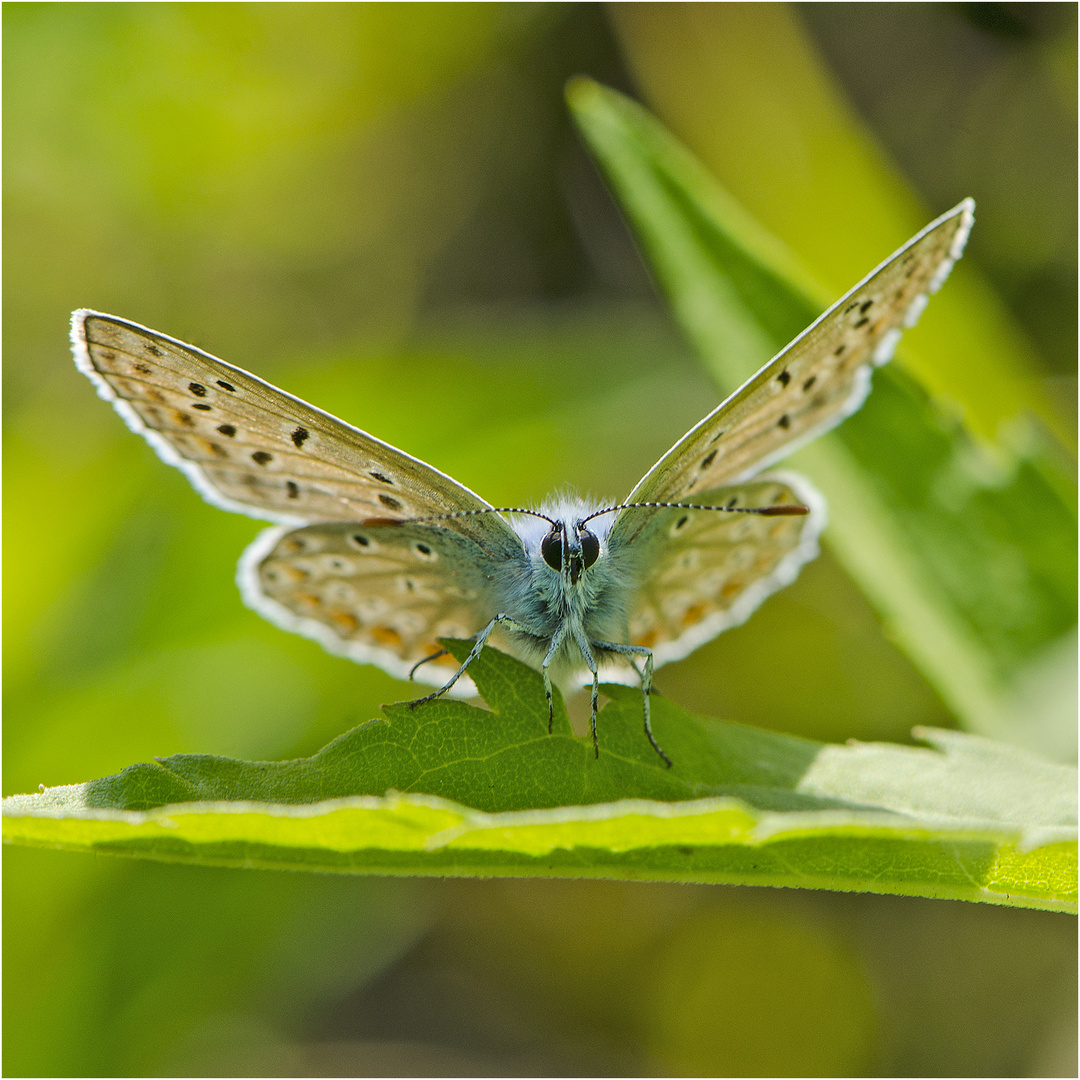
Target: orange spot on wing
386	635
647	640
732	588
693	614
345	622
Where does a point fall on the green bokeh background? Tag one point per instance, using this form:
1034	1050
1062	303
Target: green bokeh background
384	209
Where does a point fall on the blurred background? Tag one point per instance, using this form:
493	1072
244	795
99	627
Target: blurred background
385	209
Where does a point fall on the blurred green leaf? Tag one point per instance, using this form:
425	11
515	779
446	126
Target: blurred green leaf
744	86
968	556
448	788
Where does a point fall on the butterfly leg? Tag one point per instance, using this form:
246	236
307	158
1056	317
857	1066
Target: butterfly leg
426	660
556	642
583	645
440	653
481	640
646	684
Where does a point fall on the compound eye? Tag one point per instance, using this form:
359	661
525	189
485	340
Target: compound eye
590	548
551	549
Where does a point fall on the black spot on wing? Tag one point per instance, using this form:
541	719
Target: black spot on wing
261	457
839	349
866	306
153	350
382	479
389	502
299	436
226	386
142	369
197	389
809	383
708	459
227	429
784	421
292	489
203	408
861	323
784	377
359	540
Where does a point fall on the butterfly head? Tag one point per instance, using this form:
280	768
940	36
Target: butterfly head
557	537
570	549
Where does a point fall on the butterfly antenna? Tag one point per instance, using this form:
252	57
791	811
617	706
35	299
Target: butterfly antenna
473	513
795	510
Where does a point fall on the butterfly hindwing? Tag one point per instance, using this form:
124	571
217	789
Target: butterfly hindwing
820	378
250	447
702	571
377	593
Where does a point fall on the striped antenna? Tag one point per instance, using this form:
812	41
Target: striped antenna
469	513
765	511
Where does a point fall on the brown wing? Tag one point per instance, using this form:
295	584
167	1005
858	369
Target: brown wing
379	594
249	447
820	378
705	571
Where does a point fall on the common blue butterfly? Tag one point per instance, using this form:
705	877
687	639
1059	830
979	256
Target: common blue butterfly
376	554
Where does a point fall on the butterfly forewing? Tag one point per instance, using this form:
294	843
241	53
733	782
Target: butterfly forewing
380	593
703	571
820	378
252	448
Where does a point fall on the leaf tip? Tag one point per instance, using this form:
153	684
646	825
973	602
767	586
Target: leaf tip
578	90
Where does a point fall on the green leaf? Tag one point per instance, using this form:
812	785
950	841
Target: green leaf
967	552
449	788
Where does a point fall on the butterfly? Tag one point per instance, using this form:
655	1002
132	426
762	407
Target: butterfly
377	555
